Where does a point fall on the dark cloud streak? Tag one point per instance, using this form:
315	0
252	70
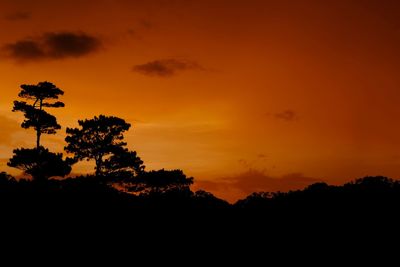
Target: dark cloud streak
51	46
166	67
67	44
21	15
24	50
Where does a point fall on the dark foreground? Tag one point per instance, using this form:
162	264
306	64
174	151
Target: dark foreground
89	196
86	219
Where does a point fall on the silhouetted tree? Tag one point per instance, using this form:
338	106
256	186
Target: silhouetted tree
40	163
160	181
99	138
40	96
123	164
374	182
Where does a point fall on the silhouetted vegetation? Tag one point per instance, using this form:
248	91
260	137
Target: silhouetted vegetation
120	181
171	190
101	139
160	182
40	96
366	195
40	163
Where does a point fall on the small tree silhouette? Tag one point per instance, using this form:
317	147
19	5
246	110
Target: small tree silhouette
36	117
40	163
101	139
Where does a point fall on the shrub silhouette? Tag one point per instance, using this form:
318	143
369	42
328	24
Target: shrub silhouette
161	181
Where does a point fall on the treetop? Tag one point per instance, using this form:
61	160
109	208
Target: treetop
43	90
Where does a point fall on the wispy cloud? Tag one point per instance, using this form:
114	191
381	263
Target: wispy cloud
20	15
166	67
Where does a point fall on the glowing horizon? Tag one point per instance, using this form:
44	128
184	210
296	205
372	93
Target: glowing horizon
235	93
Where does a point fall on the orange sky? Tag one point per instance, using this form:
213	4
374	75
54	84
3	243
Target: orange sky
238	94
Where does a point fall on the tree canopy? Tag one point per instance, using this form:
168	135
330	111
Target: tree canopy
101	139
123	164
40	163
40	96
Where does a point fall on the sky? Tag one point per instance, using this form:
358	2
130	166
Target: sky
242	95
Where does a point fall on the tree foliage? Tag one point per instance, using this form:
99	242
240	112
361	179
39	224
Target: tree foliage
123	164
37	97
40	163
101	139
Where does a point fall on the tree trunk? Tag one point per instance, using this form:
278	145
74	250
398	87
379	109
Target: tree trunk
38	134
99	162
38	127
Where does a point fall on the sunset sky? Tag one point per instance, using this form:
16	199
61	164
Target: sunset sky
242	95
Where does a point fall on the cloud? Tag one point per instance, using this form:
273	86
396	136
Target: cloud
286	115
166	67
67	44
239	186
20	15
24	50
54	45
254	180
